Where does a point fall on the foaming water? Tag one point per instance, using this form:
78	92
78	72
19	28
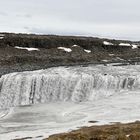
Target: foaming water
76	84
57	117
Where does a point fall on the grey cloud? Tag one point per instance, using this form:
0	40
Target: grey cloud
3	14
24	15
105	18
26	28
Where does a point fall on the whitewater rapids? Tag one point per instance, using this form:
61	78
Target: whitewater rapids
45	102
76	84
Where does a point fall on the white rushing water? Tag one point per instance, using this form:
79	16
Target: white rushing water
66	84
45	102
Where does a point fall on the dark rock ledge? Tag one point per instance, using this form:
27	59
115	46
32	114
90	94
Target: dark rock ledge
14	60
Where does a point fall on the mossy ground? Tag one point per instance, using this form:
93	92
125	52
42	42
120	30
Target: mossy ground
117	131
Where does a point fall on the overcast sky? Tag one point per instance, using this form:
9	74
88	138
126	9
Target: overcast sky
102	18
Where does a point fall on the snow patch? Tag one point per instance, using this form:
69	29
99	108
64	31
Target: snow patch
107	43
75	45
124	44
87	51
127	135
111	54
65	49
118	58
105	60
1	37
134	46
25	48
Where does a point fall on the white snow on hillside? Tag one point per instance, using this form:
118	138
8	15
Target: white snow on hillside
124	44
118	58
65	49
87	51
1	37
134	46
111	54
26	48
105	60
75	45
107	43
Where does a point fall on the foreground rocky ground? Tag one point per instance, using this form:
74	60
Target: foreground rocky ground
107	132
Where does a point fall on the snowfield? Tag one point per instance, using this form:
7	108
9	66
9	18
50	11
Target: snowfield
26	48
107	43
65	49
125	44
134	46
87	51
75	45
1	37
45	102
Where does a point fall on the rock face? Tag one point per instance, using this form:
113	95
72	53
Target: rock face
75	84
20	52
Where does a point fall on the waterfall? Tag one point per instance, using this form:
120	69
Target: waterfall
75	84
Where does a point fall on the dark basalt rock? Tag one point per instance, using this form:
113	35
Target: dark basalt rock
14	60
